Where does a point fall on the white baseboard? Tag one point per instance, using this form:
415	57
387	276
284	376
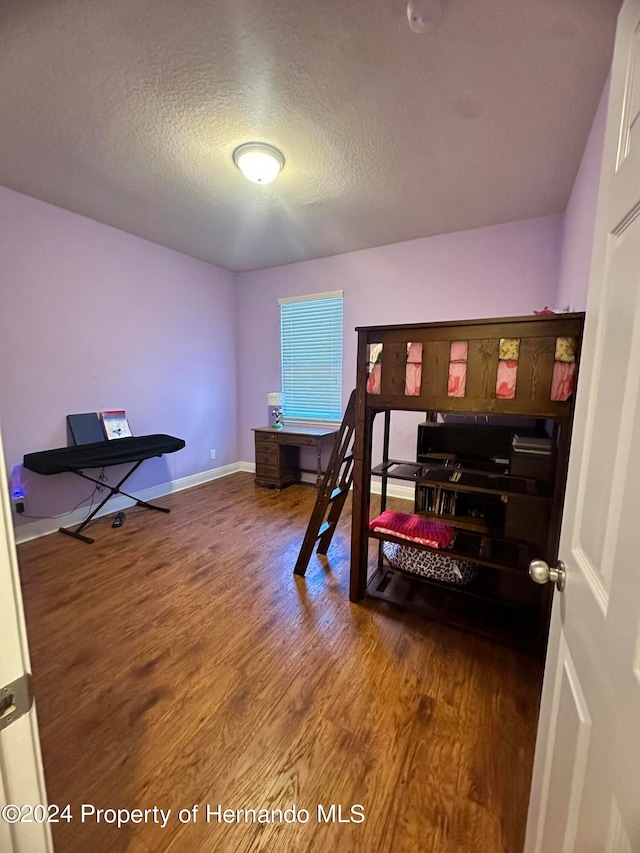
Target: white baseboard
405	493
44	526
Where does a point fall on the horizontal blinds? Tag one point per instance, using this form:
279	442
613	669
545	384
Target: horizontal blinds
311	345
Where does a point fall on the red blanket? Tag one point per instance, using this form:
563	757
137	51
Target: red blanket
415	528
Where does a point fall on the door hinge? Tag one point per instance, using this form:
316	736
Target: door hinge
16	700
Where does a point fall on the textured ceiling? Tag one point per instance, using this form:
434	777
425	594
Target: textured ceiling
128	111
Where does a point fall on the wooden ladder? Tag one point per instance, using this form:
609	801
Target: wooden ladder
332	491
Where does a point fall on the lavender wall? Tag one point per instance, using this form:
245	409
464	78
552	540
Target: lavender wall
93	318
579	219
503	270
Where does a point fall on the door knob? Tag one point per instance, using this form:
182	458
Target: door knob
541	573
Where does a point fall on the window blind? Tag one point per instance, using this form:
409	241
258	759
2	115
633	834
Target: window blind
311	349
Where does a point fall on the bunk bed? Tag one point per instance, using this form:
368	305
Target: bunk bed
489	471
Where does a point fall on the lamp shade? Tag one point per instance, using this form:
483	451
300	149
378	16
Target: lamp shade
258	162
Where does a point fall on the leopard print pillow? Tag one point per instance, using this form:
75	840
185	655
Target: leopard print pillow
429	564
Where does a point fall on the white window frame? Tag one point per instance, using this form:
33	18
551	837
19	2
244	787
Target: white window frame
311	297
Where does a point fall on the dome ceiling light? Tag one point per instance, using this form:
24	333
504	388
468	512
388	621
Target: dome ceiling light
258	162
423	15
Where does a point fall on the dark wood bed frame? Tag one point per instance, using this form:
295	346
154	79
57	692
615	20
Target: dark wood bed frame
537	335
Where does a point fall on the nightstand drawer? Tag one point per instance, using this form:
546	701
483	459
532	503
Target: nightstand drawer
267	455
267	436
299	441
267	472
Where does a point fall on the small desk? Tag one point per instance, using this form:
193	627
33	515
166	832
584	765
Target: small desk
278	453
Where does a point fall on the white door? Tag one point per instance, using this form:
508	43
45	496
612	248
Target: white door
585	795
21	776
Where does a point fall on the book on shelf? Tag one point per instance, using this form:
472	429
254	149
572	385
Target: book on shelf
115	423
532	444
440	501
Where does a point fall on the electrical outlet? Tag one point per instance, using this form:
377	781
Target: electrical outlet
213	454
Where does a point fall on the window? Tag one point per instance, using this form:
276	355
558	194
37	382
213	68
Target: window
311	351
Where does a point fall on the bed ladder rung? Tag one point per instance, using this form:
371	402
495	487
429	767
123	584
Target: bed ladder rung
336	493
332	491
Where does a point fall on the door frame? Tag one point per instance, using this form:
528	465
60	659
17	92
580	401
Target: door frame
21	771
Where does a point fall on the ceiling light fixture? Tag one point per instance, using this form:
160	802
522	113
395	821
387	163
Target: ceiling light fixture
423	15
258	162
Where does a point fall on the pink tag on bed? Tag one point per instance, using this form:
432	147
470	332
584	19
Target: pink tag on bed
563	380
459	350
506	380
457	381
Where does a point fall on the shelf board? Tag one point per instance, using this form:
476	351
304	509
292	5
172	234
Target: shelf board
462	522
479	464
488	617
483	586
470	480
460	479
506	555
401	470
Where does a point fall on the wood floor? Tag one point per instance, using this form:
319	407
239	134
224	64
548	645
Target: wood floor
179	662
